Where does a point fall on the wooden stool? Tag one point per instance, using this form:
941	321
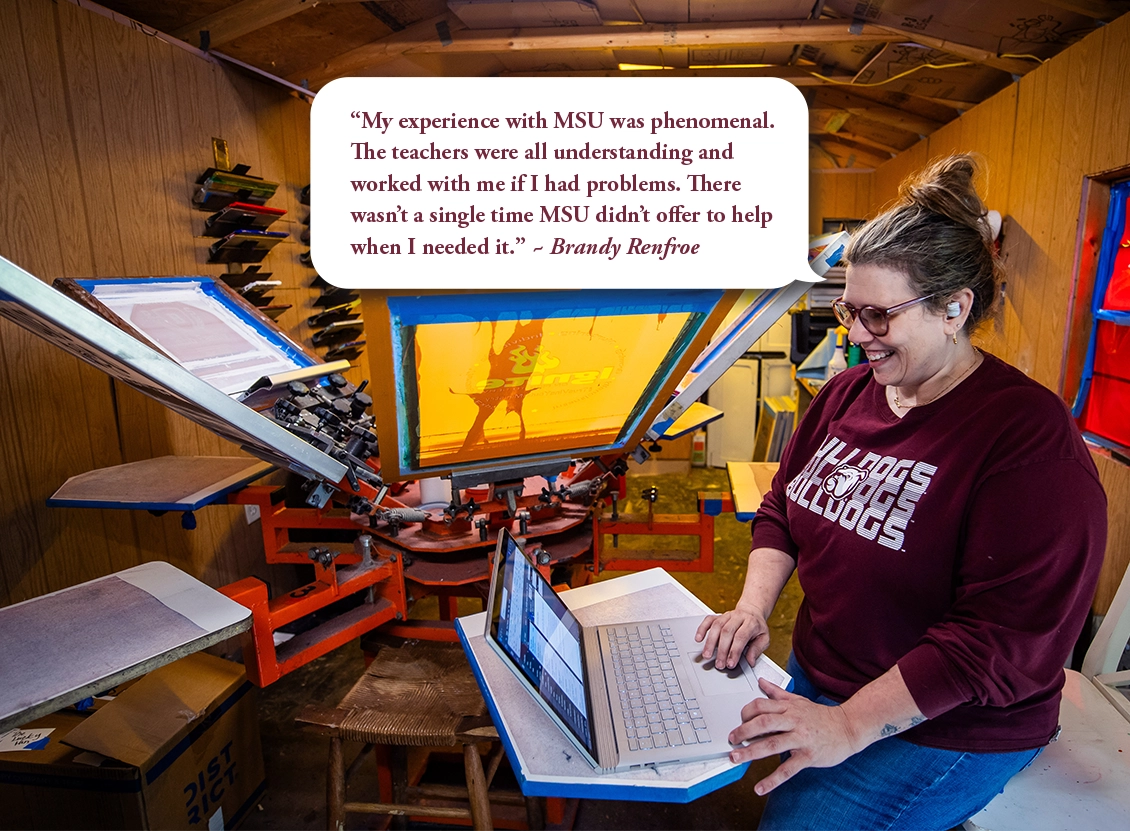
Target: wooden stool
420	694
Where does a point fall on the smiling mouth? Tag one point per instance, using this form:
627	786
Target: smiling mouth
875	357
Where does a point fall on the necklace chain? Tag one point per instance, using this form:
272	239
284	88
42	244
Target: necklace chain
950	386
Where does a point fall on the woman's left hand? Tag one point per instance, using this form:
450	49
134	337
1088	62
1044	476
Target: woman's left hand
815	735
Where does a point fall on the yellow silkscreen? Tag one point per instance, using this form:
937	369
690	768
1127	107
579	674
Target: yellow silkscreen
492	389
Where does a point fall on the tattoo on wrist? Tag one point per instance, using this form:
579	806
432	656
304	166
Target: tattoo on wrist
892	729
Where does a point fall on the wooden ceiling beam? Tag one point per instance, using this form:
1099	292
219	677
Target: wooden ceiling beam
797	76
865	155
365	58
239	19
821	153
960	107
1013	66
845	135
841	97
850	139
422	38
651	35
922	107
840	123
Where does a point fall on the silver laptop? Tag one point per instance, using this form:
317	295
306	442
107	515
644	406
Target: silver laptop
626	695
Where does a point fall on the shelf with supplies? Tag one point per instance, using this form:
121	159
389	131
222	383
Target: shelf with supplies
239	216
217	188
336	319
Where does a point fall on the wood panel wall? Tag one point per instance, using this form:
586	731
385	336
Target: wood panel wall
103	131
1039	139
837	194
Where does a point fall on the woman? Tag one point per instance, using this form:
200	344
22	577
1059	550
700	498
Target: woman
947	526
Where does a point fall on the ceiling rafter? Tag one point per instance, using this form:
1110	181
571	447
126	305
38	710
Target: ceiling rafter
841	97
845	133
669	35
240	19
858	144
423	39
867	156
812	145
1013	66
958	106
910	103
796	76
365	58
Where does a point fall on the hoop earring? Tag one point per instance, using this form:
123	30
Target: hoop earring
955	337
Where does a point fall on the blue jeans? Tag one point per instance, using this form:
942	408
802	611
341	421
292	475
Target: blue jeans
891	784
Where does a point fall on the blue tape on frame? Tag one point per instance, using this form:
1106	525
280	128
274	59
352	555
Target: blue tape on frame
212	290
736	327
1114	316
836	255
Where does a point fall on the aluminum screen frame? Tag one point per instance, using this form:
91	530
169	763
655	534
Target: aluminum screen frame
50	314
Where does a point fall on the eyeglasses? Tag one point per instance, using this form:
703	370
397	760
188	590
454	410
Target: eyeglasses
874	319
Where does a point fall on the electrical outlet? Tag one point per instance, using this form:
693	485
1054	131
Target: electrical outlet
252	512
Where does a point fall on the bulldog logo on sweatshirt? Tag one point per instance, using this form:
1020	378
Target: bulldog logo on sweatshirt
843	480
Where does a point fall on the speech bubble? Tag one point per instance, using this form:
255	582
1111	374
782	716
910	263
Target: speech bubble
525	183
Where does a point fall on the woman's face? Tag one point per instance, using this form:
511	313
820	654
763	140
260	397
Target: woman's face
916	346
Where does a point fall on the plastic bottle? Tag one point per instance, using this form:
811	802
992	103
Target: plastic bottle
839	361
698	449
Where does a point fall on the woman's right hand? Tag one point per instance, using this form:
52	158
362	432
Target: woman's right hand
729	635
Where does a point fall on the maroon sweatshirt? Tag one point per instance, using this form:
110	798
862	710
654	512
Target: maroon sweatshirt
962	542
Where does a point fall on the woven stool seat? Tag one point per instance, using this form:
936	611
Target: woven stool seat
419	694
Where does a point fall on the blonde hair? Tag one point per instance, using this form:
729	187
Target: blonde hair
938	235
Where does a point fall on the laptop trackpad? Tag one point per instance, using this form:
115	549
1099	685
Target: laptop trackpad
720	682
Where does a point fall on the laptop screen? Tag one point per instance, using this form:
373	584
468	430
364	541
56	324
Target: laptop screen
542	638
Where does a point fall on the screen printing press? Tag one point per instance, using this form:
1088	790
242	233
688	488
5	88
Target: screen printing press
524	407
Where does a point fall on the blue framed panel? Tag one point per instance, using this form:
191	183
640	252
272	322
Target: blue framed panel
201	324
1116	220
166	483
1102	402
497	380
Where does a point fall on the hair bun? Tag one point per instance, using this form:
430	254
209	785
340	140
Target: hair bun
939	235
946	188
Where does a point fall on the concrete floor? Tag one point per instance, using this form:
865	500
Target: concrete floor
296	761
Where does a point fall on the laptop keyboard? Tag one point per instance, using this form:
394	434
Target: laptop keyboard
656	713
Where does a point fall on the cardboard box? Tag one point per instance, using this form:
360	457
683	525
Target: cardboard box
181	750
